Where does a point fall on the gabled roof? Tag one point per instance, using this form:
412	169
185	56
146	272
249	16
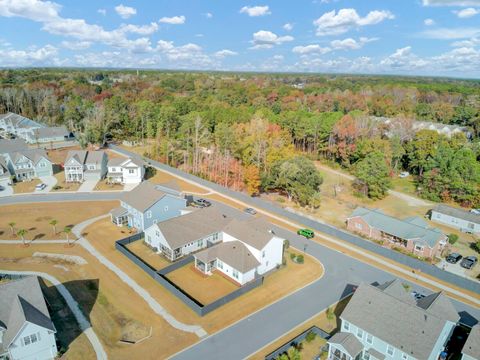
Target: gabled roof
472	345
184	229
7	146
116	161
78	155
233	253
255	231
50	132
19	121
408	229
94	157
34	155
22	301
143	196
457	213
410	327
348	341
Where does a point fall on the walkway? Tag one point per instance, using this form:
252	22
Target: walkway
82	321
50	181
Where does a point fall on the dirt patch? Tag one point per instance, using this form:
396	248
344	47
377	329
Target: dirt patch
72	259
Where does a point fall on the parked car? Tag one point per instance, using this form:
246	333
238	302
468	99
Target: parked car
453	258
40	187
202	203
475	211
250	211
417	296
1	188
306	232
404	174
469	262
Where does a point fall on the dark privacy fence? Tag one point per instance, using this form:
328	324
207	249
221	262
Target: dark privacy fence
160	276
413	263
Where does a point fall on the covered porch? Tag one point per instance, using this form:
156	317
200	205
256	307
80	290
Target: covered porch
205	267
393	239
344	346
114	178
119	216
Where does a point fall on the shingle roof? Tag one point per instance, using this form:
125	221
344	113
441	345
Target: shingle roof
49	132
409	229
409	327
116	161
193	226
20	301
35	155
94	157
254	231
7	146
232	253
78	155
472	345
143	196
458	213
348	341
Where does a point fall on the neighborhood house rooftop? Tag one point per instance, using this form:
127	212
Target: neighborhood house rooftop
458	213
143	196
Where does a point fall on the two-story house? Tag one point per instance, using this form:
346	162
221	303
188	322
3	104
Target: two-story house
81	165
386	322
125	171
26	329
145	205
29	164
239	249
456	218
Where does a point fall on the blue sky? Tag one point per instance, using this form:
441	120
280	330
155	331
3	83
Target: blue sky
425	37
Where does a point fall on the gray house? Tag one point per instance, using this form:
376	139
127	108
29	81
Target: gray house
49	134
457	218
386	322
471	349
26	330
146	205
29	164
81	165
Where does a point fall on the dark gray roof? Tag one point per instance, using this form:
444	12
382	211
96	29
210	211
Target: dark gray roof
408	229
198	224
472	345
457	213
410	328
376	354
255	231
116	161
51	132
143	196
7	146
35	155
232	253
78	155
22	301
348	341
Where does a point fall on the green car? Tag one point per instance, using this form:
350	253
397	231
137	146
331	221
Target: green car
306	232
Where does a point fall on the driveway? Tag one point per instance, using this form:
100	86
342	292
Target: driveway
87	186
453	268
129	187
50	181
7	189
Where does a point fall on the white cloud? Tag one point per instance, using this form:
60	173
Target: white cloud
102	11
467	43
35	10
451	2
266	39
36	56
429	22
76	45
125	11
174	20
224	53
404	59
350	44
140	29
255	10
288	27
333	23
450	33
466	13
199	35
208	15
311	49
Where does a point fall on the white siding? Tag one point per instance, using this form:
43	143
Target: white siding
44	348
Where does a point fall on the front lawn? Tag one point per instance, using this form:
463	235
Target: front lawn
25	186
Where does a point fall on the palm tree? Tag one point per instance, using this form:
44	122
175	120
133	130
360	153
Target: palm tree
54	224
67	230
12	226
22	233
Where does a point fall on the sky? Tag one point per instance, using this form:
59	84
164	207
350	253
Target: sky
407	37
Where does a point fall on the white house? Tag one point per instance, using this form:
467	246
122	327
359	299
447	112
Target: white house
26	330
239	249
457	218
125	171
81	165
386	322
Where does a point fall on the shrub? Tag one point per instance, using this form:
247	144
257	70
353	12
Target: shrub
57	187
286	244
293	256
299	259
310	336
452	238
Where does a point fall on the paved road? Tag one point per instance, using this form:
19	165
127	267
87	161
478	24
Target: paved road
254	332
59	196
82	321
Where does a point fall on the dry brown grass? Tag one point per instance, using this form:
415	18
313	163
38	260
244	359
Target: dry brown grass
102	185
25	186
312	349
103	234
58	156
35	217
70	186
155	260
206	289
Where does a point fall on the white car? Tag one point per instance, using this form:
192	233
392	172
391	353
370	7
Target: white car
475	211
404	174
40	187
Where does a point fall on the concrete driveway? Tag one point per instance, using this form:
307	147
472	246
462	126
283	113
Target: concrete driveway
7	189
453	268
129	187
50	181
87	186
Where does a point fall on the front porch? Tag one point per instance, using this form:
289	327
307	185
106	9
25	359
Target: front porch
119	216
114	178
205	267
394	240
345	346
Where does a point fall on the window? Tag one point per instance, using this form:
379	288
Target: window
131	171
360	333
369	338
149	239
263	253
219	264
346	325
235	274
404	356
148	214
200	243
27	340
418	248
42	165
91	167
165	208
390	350
114	169
359	226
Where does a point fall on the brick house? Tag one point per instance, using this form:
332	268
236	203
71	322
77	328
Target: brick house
411	234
